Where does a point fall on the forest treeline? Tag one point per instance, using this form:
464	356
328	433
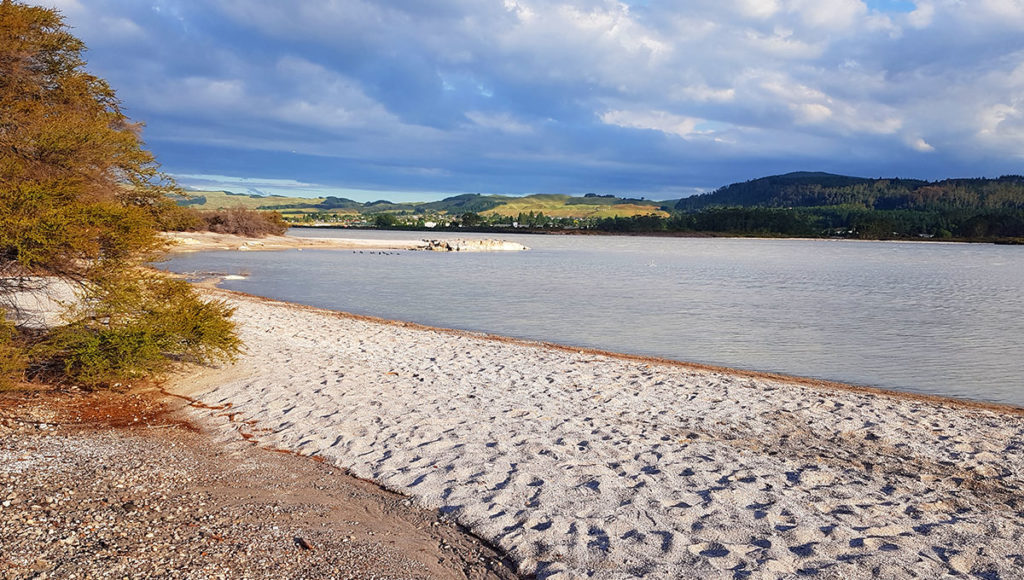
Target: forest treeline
813	205
812	222
804	189
823	204
837	221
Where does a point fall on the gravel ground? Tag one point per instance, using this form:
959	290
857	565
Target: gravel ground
114	485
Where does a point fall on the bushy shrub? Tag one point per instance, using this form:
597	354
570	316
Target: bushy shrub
239	221
176	218
131	327
12	356
81	201
245	222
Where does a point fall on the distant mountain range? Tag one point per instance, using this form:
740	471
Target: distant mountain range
554	205
792	190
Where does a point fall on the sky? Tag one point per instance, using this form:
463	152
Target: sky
420	99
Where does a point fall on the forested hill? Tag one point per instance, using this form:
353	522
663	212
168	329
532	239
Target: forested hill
806	189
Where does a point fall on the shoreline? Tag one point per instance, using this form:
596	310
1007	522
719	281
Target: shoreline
658	234
187	242
152	496
825	384
582	462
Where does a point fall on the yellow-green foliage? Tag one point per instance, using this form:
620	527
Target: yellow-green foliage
176	218
80	200
132	327
76	186
12	356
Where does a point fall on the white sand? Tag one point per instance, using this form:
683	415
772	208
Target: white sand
183	242
42	302
580	464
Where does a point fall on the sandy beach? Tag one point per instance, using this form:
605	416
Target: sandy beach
109	484
182	242
584	464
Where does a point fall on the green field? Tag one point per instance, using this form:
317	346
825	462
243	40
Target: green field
552	205
573	207
225	200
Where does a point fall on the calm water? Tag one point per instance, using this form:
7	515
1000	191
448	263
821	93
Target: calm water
943	319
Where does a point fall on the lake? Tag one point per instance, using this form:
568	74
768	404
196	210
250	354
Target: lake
934	318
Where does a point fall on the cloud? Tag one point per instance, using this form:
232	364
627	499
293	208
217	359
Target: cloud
667	123
703	93
760	9
528	95
1002	126
921	145
922	15
499	121
832	14
67	7
1011	11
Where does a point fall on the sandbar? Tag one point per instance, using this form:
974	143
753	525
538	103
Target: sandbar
182	242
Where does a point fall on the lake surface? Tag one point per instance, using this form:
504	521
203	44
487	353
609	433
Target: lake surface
944	319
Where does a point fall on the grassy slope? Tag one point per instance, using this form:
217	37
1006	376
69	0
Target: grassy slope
559	206
221	200
553	205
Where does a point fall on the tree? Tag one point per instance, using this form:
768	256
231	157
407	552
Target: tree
471	219
80	198
385	221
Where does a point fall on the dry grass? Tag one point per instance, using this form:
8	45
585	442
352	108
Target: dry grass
245	222
222	200
556	206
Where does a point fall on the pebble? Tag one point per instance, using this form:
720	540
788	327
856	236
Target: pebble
115	521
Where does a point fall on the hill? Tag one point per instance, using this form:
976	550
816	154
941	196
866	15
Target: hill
808	189
802	204
566	206
227	200
555	205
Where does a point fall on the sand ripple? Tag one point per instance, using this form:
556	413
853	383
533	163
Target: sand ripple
582	465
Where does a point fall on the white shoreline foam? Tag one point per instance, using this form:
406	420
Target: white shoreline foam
579	464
